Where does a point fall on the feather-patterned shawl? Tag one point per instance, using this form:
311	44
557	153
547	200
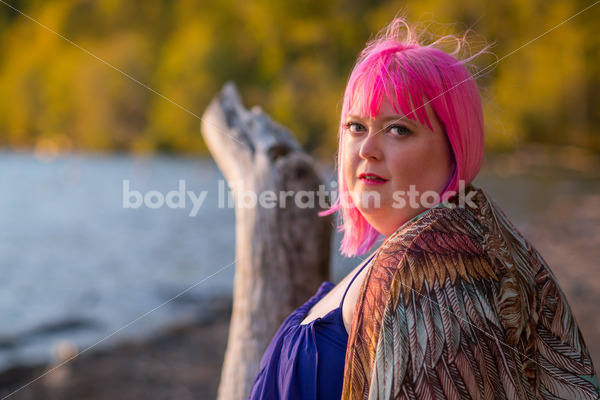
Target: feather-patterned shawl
458	305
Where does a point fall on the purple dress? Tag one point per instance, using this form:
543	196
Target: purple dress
305	361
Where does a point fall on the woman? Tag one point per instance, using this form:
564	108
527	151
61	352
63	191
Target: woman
455	303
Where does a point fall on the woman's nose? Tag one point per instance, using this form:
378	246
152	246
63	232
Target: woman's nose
370	147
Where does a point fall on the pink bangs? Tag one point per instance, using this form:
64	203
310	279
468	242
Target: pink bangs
411	77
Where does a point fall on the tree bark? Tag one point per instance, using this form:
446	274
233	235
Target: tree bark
282	251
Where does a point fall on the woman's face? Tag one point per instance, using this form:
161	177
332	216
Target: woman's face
394	166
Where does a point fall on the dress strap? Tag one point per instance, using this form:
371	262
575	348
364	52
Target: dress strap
354	277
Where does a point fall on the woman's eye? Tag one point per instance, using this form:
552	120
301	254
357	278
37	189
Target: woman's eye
399	130
353	127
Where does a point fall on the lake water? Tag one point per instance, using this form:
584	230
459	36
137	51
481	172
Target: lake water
77	266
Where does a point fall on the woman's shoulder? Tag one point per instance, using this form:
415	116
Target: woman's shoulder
469	228
451	242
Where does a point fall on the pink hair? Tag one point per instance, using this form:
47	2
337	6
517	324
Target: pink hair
395	66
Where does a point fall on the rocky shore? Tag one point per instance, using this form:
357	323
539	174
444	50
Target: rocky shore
181	363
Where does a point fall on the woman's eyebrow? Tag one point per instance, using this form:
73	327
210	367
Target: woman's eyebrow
386	120
397	118
353	116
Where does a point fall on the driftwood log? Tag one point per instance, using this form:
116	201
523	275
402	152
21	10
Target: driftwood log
282	253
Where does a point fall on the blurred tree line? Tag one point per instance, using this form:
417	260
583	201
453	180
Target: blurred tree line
291	58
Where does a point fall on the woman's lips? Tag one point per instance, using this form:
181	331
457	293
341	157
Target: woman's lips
371	179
